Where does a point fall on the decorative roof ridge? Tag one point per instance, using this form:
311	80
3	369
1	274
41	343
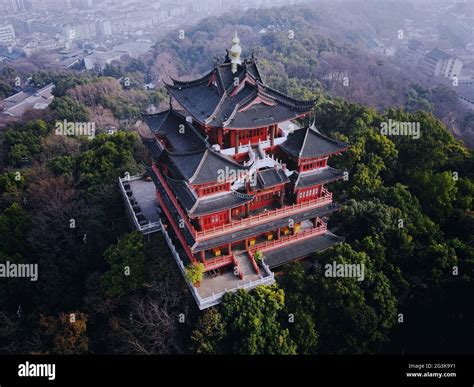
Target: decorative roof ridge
245	73
254	61
221	87
218	106
180	154
259	94
294	100
210	151
304	141
201	162
187	187
239	105
192	82
315	130
228	159
145	115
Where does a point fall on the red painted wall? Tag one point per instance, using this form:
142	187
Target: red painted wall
252	135
307	194
262	200
213	220
308	165
211	189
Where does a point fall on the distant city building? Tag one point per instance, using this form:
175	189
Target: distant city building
42	45
466	94
17	5
7	34
100	59
18	104
441	63
461	26
416	50
80	31
50	5
82	4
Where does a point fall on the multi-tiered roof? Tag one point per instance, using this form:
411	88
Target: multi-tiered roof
239	100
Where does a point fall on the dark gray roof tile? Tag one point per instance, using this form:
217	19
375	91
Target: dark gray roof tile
205	166
296	250
181	135
270	177
310	143
213	100
319	176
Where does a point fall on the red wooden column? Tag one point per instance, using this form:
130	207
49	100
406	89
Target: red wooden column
219	136
282	197
203	256
236	140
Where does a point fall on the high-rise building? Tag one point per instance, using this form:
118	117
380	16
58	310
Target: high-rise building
7	33
18	5
441	63
50	5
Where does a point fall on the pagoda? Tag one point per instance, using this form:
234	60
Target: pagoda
235	174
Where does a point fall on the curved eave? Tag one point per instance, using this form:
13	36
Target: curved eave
194	211
329	154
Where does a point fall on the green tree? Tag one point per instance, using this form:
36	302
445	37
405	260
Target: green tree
209	332
65	108
253	322
195	272
127	271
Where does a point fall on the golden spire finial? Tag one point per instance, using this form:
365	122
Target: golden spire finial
235	52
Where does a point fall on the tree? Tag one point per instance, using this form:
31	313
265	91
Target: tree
14	227
194	272
68	109
126	261
351	316
253	322
209	332
23	140
258	256
67	333
437	193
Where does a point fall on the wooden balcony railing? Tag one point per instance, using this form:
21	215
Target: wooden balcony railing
269	245
252	220
217	262
265	216
253	262
236	265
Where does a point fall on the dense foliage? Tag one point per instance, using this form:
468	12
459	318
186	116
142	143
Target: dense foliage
406	215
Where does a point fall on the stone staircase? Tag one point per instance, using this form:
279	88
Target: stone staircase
243	260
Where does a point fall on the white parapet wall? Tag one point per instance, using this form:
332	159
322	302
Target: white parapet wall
207	302
145	229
